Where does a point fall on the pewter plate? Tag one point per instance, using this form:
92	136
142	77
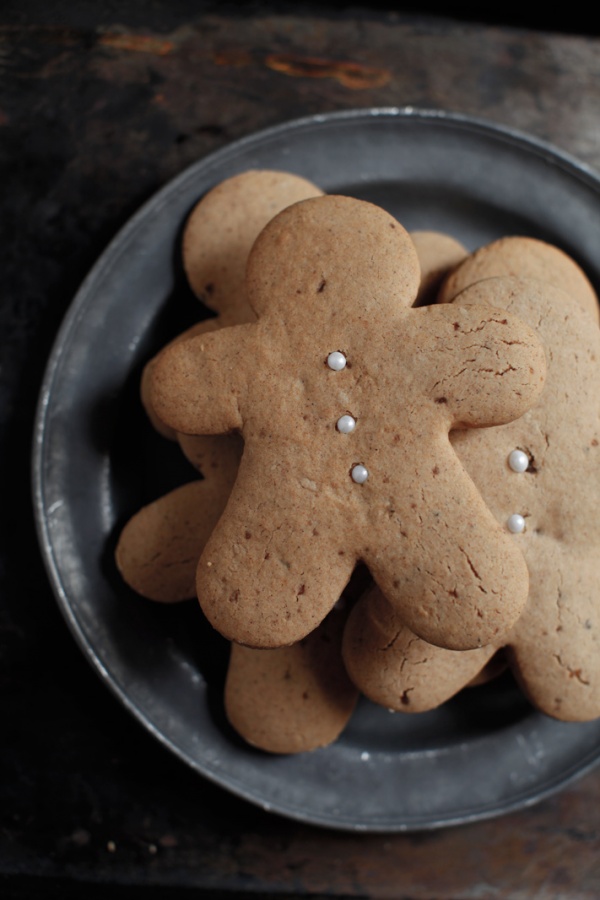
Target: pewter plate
96	461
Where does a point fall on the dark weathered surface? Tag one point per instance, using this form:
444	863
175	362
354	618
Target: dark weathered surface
95	114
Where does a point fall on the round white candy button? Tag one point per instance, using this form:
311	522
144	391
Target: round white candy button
336	361
359	474
346	424
518	461
516	524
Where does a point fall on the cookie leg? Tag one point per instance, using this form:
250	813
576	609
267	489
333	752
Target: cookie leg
452	574
291	699
397	669
270	573
555	652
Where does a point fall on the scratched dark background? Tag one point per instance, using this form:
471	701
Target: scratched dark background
100	105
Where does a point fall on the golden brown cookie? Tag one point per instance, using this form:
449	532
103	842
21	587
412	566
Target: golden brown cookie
159	547
230	215
199	328
523	257
221	229
292	699
544	467
217	239
332	471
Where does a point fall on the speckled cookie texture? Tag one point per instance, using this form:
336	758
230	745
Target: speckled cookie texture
221	229
337	275
553	482
291	699
217	238
282	701
522	257
158	549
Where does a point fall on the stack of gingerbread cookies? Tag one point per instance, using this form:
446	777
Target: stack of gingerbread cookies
399	444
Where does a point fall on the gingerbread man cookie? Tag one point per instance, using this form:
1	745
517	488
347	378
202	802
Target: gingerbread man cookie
540	476
344	396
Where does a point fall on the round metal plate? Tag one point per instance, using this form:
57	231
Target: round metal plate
96	461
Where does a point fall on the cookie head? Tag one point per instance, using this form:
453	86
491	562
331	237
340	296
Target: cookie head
314	253
221	229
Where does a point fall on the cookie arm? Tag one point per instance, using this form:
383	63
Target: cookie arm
196	386
199	328
484	366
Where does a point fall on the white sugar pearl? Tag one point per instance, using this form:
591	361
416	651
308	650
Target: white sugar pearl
346	424
336	361
516	524
518	461
359	474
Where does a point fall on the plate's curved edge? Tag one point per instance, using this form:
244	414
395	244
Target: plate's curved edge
178	183
117	246
524	800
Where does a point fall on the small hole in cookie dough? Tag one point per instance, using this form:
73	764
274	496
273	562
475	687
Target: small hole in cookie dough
441	399
405	699
321	287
